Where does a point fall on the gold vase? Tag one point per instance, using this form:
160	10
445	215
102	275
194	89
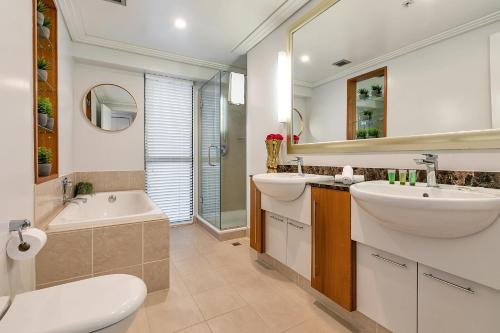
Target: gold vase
273	153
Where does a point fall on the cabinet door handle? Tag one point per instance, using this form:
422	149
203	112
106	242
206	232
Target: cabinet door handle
315	267
296	226
378	256
451	284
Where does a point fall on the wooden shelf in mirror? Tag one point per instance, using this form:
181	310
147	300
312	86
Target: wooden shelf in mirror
44	48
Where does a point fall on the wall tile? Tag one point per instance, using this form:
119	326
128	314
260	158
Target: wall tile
66	255
117	246
156	275
132	270
49	200
108	181
156	240
56	283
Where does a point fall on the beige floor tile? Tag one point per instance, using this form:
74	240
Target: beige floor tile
140	323
177	286
243	320
198	328
167	313
218	301
203	281
193	265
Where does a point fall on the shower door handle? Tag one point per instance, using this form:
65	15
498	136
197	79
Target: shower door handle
210	155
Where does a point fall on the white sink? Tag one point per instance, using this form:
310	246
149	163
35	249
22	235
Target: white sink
285	186
444	212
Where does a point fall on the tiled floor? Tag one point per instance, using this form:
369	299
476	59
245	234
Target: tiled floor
218	288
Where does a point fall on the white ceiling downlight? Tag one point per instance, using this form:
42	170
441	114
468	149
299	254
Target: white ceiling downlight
180	23
118	2
305	58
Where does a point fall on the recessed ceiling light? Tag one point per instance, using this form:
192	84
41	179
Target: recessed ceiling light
305	58
180	23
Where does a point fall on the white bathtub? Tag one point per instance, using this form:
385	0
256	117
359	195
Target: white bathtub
129	207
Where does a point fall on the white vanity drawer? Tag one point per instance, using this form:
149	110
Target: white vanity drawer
387	289
298	253
276	229
447	303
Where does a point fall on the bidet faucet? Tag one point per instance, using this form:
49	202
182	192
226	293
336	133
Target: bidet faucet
431	163
300	164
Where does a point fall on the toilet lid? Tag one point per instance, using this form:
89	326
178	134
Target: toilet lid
82	306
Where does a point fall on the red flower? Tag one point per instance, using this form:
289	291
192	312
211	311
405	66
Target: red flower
296	138
274	137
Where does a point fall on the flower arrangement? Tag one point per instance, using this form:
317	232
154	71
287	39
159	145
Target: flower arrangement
273	145
296	139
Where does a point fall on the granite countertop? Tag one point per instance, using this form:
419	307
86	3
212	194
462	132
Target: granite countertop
330	184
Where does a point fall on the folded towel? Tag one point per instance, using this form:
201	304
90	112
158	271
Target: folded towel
355	179
347	175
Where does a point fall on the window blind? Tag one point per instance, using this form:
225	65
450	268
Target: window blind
169	145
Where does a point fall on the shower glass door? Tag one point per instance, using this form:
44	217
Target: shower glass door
209	153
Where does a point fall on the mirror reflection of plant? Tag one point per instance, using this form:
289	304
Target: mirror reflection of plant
377	89
361	133
368	114
47	23
41	6
43	64
44	105
44	155
363	92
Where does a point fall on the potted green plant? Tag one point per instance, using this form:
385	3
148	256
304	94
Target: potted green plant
363	93
43	66
43	105
44	161
41	9
50	118
83	188
44	30
372	133
361	133
367	115
377	90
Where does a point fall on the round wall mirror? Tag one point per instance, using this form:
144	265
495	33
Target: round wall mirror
297	122
109	107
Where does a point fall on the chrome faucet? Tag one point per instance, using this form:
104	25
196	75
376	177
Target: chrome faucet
300	164
431	163
67	195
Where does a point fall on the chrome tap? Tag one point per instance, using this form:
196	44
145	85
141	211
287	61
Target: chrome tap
300	164
67	192
431	163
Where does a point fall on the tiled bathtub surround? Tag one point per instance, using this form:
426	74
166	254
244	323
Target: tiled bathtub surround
48	196
462	178
49	200
140	249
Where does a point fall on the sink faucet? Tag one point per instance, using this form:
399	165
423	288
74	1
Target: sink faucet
300	164
431	163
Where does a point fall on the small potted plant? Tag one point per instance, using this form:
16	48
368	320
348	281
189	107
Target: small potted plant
44	161
50	118
44	30
43	66
41	9
43	105
84	188
361	133
377	90
363	94
367	115
372	133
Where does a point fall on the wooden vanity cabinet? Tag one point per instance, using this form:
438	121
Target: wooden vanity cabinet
256	220
333	252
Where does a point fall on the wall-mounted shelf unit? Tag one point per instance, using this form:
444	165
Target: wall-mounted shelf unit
45	84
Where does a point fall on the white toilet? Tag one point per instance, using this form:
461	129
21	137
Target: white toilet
105	304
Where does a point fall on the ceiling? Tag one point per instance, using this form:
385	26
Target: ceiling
365	32
218	33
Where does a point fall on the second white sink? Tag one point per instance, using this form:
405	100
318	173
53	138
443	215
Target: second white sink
285	186
445	212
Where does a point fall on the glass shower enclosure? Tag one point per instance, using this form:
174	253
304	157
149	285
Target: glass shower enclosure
222	156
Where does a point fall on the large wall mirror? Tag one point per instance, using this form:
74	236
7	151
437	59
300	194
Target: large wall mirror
109	107
396	75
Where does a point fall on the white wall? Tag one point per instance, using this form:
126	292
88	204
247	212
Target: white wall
262	119
16	136
98	150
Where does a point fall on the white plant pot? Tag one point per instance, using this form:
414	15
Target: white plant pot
42	75
42	119
40	18
50	123
43	32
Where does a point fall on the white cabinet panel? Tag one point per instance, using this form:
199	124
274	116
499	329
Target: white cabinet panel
275	238
387	289
445	304
298	254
